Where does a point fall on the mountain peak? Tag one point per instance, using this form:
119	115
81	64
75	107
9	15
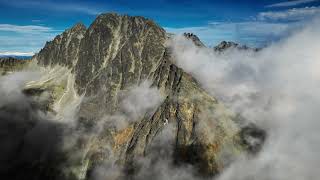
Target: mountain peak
225	45
118	52
62	49
112	19
194	38
78	27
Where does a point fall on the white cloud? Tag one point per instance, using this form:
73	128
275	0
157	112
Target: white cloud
7	53
24	42
87	8
27	38
277	88
291	3
296	14
134	103
24	29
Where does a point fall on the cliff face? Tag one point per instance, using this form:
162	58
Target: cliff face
112	55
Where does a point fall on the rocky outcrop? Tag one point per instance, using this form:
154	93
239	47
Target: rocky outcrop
194	38
64	49
117	52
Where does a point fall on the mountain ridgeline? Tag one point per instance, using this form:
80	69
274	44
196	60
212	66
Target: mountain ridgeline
104	61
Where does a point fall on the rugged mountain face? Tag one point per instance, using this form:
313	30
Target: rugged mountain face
108	58
64	49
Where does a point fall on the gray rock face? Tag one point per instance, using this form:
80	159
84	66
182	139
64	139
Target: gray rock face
64	49
116	52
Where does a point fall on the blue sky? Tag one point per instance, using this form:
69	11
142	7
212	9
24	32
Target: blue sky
25	25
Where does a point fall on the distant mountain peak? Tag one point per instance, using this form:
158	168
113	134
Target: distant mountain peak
194	38
225	45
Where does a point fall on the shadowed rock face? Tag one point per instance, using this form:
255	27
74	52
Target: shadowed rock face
117	52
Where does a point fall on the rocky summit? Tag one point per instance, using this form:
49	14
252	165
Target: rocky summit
90	70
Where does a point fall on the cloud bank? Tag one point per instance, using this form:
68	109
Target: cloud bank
276	88
296	14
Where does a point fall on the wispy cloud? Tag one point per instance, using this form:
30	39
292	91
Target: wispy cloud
36	20
86	8
8	53
291	3
24	29
24	38
296	14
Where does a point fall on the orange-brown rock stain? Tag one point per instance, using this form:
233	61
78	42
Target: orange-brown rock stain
122	137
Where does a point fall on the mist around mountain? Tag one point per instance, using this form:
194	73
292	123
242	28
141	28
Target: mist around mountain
121	99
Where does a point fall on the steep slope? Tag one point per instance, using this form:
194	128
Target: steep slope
117	52
188	107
